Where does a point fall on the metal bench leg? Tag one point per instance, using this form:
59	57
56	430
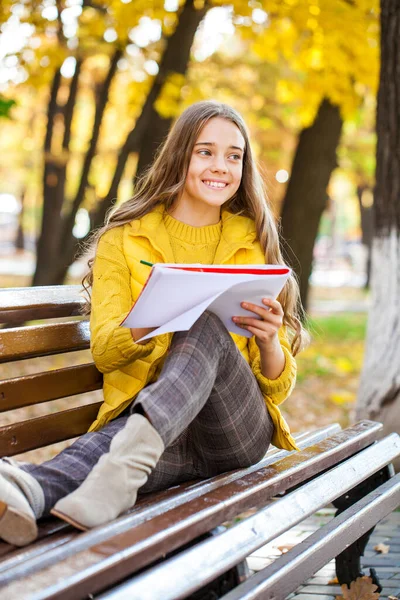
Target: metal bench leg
348	562
225	582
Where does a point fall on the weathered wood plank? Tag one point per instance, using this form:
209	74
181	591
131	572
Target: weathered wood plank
289	571
50	385
147	507
43	431
18	305
123	554
184	574
41	340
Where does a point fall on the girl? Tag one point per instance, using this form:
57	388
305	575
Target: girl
182	406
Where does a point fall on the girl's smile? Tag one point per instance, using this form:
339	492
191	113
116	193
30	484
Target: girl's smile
218	185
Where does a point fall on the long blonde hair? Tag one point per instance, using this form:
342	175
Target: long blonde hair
165	179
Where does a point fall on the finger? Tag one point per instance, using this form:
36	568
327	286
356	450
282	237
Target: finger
264	326
266	315
258	310
274	305
261	334
258	333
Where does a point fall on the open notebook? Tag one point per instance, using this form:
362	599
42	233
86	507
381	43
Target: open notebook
174	295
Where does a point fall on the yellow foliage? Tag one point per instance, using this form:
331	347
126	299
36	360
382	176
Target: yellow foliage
279	71
286	91
168	102
330	48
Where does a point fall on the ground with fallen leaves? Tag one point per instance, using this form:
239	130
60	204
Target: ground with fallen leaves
328	372
360	589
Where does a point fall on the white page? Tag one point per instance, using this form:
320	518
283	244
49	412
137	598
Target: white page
171	292
183	322
180	292
227	305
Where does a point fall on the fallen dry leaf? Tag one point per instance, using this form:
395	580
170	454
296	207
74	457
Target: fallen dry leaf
285	548
382	548
360	589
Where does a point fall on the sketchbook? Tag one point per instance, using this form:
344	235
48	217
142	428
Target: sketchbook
175	295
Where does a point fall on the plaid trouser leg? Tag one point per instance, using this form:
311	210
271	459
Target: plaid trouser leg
206	405
207	400
65	472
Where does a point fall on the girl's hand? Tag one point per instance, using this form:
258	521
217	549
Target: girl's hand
139	333
265	330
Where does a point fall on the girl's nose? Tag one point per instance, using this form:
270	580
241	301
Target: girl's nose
219	164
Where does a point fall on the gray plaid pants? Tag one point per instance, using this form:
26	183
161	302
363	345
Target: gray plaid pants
206	406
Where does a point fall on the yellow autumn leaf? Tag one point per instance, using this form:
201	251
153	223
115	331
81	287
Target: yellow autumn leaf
382	548
342	397
344	365
360	589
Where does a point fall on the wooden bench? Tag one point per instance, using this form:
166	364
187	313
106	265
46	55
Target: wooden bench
174	544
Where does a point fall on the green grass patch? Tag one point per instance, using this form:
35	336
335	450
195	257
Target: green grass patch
336	348
341	327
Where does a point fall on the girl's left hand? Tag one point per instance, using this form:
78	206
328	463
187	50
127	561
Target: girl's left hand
265	329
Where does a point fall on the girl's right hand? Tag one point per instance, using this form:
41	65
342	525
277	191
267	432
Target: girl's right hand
139	333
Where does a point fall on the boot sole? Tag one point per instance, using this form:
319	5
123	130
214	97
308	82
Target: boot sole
16	527
69	520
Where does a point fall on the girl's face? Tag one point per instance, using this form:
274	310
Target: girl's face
214	173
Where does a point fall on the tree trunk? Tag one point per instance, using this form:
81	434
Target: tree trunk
101	104
379	393
51	267
176	60
48	238
306	196
20	237
367	229
54	180
149	130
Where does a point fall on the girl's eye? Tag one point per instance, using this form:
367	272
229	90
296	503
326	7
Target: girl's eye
235	157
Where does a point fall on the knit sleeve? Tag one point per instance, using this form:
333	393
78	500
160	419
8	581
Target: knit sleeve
280	388
112	346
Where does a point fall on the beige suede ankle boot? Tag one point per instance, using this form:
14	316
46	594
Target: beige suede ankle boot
111	487
21	503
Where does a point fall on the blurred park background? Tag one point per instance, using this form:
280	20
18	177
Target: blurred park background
88	89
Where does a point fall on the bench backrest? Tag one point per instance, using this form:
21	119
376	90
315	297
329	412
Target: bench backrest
37	322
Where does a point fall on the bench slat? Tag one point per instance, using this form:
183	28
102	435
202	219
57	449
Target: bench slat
18	305
43	431
51	385
41	340
186	573
32	557
289	571
141	545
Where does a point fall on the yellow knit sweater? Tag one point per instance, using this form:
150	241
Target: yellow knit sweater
118	278
192	244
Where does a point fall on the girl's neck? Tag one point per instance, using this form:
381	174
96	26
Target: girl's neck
196	218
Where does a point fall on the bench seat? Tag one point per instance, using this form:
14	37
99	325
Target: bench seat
176	543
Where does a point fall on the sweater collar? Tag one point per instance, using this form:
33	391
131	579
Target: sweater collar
237	232
208	234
